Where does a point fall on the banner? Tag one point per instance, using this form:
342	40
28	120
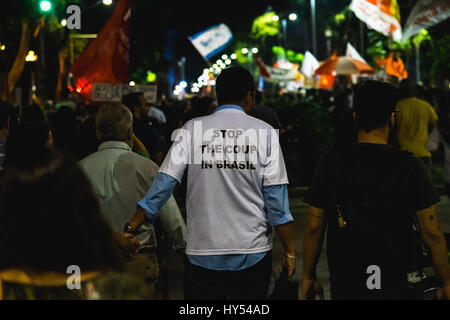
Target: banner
380	15
113	92
309	65
278	74
212	40
106	58
425	14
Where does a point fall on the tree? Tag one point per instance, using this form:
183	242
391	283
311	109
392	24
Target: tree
20	25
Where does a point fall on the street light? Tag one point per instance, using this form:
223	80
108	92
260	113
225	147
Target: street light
275	18
45	5
234	56
132	83
328	35
31	56
64	22
293	16
107	2
255	50
244	50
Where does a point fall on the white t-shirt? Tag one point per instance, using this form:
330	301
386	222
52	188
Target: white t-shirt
230	156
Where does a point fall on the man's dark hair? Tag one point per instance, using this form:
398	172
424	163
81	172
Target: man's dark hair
4	114
233	84
374	102
407	88
132	100
24	139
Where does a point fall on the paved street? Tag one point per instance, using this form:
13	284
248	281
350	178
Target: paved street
299	210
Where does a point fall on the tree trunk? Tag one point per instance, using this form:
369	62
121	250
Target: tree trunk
19	63
62	57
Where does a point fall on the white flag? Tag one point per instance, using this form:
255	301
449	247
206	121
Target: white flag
380	15
309	65
212	40
425	14
353	54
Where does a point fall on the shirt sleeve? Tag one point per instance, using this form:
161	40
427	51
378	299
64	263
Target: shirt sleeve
425	194
274	171
276	202
179	154
158	194
434	116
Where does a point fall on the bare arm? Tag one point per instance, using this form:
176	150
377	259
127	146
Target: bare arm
286	235
433	236
138	219
312	241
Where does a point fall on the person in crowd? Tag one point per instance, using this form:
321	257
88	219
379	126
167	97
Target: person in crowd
67	100
81	113
368	198
120	178
26	140
343	122
265	113
230	211
156	113
136	101
56	235
32	113
4	117
416	118
439	139
91	110
65	131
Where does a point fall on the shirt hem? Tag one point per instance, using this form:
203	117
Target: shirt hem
275	183
172	174
227	251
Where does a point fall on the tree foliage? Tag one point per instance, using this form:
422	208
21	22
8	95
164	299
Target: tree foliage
264	26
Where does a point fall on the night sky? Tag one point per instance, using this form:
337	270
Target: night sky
162	27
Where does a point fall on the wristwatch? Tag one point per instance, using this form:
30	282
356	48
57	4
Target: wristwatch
128	229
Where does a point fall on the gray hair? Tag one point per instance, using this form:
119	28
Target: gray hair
113	121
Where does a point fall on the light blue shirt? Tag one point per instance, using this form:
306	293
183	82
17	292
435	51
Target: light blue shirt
276	205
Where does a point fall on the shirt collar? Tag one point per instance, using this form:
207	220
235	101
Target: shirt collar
114	145
229	106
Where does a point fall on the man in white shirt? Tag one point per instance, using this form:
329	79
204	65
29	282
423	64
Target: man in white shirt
236	195
121	178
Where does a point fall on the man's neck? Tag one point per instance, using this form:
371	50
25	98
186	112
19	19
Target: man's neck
379	136
239	104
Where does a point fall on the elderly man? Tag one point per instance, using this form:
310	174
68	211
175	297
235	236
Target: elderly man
121	178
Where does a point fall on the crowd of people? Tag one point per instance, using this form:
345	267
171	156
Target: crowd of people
92	186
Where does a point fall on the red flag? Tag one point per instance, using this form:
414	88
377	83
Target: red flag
106	58
262	67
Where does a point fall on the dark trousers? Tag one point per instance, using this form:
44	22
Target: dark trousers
248	284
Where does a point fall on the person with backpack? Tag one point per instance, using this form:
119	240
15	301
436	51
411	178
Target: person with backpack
368	198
